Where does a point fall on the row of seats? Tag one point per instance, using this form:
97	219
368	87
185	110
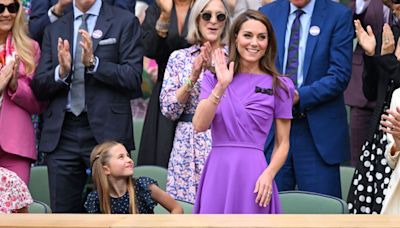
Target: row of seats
293	202
346	173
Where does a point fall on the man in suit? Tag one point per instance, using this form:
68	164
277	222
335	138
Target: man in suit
91	66
44	12
319	138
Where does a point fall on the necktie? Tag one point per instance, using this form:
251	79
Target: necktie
292	64
78	81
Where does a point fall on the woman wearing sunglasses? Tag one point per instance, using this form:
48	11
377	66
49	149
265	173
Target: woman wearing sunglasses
240	103
19	56
208	26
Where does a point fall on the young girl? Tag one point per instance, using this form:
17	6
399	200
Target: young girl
119	193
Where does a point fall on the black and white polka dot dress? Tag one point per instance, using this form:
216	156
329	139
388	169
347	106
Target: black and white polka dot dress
144	203
371	178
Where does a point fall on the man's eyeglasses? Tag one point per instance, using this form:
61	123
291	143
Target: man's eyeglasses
206	16
12	8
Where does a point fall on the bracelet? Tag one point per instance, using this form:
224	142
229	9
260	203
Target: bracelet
190	84
215	98
215	95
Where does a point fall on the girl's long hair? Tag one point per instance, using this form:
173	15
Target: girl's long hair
267	62
98	158
22	43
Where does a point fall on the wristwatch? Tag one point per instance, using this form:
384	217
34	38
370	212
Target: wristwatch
92	63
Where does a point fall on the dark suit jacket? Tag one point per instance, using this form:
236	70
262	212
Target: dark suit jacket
327	69
381	78
372	16
108	91
38	19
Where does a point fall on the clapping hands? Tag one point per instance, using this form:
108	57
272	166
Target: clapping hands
9	76
203	60
367	40
390	123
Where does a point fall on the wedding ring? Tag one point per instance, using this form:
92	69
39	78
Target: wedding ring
386	41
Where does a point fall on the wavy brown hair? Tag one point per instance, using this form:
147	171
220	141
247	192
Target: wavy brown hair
267	62
98	158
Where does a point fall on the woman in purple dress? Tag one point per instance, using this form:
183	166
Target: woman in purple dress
240	103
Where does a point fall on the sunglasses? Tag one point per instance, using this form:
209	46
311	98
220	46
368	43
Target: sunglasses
12	8
206	16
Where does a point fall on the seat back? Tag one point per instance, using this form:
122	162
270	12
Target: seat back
39	184
301	202
38	207
346	176
187	208
137	133
155	172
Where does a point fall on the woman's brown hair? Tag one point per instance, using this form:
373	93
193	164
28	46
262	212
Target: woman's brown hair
267	62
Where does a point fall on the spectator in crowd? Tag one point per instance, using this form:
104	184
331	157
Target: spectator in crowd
315	40
375	14
241	103
165	29
91	103
14	194
19	56
44	12
380	80
391	125
117	192
208	29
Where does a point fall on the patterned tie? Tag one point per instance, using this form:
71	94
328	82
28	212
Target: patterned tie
78	81
293	49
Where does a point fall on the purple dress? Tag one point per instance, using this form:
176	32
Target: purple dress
239	130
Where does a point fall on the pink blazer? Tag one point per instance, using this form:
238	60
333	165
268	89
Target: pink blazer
16	128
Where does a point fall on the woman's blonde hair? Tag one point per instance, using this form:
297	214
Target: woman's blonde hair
98	158
194	36
22	43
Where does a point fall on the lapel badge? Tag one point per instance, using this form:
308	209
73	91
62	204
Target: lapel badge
97	34
314	30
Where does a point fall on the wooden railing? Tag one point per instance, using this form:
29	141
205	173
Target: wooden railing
190	221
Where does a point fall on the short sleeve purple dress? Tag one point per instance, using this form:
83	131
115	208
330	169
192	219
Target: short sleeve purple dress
239	130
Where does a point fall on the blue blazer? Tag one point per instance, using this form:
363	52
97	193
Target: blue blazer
38	19
326	70
108	91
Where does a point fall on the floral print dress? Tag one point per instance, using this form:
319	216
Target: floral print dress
190	150
14	193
